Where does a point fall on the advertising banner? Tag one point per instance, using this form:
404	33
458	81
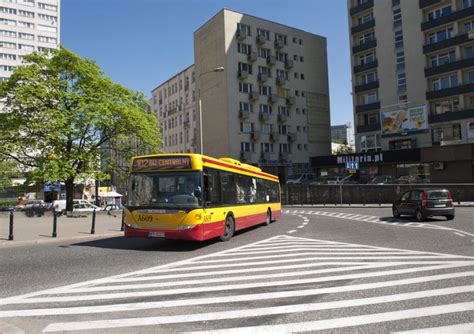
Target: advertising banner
403	122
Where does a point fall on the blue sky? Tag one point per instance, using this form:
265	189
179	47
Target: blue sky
141	43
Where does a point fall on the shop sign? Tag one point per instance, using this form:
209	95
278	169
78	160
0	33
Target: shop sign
405	121
52	186
352	165
367	157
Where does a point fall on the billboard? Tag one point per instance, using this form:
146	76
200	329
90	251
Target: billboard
403	122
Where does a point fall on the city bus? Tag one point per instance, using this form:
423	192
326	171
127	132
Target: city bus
196	197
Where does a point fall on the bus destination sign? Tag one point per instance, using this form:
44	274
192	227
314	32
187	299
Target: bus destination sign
161	163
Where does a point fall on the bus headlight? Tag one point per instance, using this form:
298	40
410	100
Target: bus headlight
185	227
134	226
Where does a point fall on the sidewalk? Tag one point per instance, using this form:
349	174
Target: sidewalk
34	230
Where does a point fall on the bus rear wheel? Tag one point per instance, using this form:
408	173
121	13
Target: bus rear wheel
229	227
268	220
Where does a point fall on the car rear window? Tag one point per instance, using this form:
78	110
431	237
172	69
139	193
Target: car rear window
437	194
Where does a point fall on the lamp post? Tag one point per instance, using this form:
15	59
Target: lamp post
218	69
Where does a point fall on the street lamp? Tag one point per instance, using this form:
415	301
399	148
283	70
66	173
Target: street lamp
218	69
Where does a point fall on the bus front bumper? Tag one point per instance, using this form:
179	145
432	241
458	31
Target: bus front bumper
198	232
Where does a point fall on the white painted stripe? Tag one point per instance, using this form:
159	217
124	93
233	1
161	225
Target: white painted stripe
300	226
223	299
292	231
305	223
318	252
253	312
351	321
220	279
327	249
297	245
462	235
265	269
228	287
467	328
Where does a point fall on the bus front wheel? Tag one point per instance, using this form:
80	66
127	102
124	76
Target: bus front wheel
229	227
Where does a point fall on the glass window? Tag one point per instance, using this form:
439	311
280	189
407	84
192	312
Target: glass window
212	187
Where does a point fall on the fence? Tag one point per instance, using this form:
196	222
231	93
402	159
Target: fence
364	193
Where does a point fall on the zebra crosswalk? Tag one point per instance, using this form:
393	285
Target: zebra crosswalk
281	284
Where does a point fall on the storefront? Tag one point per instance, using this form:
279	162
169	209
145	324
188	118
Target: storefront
440	164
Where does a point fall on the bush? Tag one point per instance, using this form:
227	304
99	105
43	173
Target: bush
8	201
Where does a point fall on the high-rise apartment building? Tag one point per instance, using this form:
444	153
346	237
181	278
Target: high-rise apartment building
270	106
174	103
412	73
26	26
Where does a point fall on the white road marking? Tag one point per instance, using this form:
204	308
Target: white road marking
300	226
292	231
461	235
253	312
351	321
453	329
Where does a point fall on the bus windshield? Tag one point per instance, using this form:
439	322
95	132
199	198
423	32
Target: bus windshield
180	190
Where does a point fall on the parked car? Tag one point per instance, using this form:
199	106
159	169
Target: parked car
383	179
406	179
112	208
423	203
78	205
350	179
35	207
7	208
333	179
304	178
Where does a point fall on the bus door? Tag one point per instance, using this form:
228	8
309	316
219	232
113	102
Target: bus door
213	212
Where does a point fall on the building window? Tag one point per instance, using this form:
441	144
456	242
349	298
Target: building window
263	53
46	39
265	90
7	10
8	22
364	19
245	87
283	111
265	109
45	17
470	77
367	58
370	98
247	147
285	148
302	59
395	3
266	128
29	37
244	106
368	78
263	32
7	45
436	14
244	28
281	56
246	127
402	144
8	33
467	3
302	76
440	35
284	129
442	59
445	82
401	82
244	48
26	47
47	6
280	37
397	17
7	56
398	39
265	70
370	143
441	107
468	26
26	25
447	133
245	67
26	13
400	58
366	38
282	74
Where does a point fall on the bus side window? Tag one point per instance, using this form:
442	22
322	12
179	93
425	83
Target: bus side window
212	186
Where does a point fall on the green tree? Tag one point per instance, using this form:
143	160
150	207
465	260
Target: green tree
8	170
60	112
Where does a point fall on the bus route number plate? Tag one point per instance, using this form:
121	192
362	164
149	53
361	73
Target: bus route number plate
156	234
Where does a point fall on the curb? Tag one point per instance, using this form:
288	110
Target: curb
7	243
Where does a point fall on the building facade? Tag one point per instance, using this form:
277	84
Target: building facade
270	105
412	73
340	134
26	26
174	103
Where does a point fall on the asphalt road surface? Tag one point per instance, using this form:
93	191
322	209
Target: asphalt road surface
338	270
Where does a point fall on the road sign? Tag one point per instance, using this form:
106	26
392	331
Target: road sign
352	165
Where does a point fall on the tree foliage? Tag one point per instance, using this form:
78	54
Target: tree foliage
60	112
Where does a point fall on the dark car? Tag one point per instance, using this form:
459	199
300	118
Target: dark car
423	203
407	179
382	179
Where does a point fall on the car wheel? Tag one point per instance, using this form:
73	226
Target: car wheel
395	212
268	221
450	217
229	227
419	216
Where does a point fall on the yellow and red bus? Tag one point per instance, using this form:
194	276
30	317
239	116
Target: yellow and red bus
196	197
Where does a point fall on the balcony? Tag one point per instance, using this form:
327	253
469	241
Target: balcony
252	56
363	26
261	39
368	128
245	156
457	90
271	60
366	66
290	100
453	16
367	86
280	81
264	116
292	137
244	114
272	98
274	136
289	64
253	96
242	74
282	118
279	44
368	107
364	46
262	77
186	124
451	116
455	65
241	35
453	41
255	136
426	3
359	8
448	140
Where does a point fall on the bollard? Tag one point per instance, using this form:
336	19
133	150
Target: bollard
10	234
380	200
123	221
459	198
93	222
55	224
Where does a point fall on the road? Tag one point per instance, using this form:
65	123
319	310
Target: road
316	269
